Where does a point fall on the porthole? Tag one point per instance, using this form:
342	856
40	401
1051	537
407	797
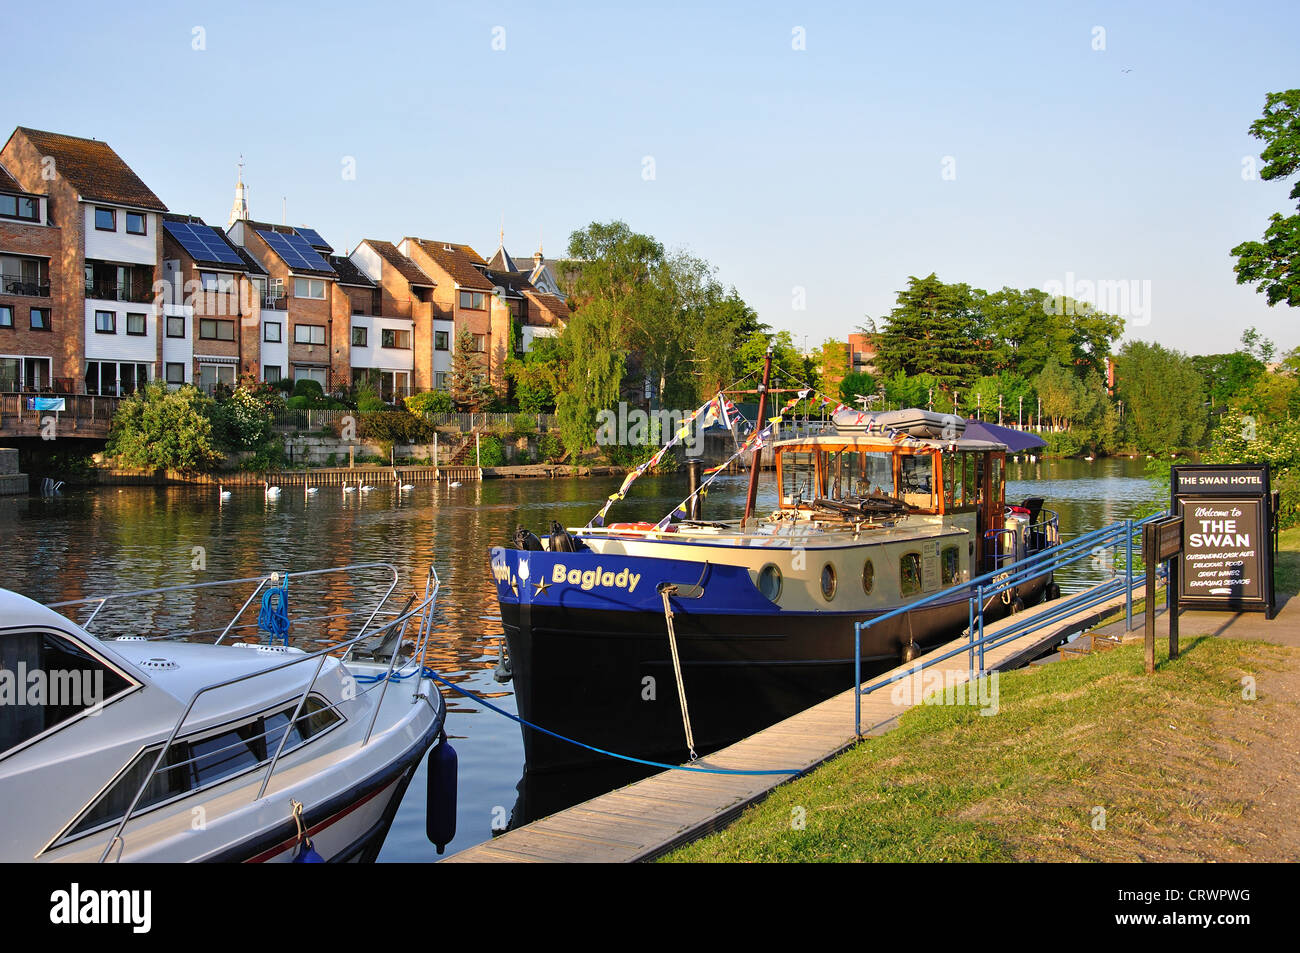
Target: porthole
769	582
868	577
828	582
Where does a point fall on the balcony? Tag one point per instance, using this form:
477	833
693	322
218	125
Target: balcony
275	303
108	291
26	286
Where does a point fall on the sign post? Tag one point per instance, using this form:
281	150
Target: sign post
1161	540
1228	514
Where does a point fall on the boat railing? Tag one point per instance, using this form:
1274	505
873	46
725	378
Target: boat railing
1008	544
383	590
418	610
1001	584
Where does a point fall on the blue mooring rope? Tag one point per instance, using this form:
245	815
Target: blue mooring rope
430	673
273	617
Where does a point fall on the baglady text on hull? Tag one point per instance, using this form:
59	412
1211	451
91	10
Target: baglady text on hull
874	513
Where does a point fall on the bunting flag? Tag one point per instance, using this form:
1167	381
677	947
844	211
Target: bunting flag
682	432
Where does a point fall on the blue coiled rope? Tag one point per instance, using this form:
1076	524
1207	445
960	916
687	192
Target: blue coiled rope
431	674
273	617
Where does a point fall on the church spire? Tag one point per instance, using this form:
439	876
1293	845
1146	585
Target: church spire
239	211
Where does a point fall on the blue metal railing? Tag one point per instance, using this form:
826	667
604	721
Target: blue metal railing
1001	583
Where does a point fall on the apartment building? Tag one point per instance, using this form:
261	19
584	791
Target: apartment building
30	249
100	310
405	291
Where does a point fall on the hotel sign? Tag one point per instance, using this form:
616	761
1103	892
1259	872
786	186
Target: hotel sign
1227	537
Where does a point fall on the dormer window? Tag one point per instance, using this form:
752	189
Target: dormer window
106	219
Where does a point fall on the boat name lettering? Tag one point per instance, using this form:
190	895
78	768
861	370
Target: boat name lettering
588	579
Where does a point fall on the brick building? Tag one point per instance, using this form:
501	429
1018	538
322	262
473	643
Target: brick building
99	311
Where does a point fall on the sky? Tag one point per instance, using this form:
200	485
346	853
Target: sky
818	155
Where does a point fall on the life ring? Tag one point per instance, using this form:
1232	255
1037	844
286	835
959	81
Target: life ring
642	527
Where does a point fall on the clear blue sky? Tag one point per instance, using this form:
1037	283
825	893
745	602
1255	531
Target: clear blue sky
821	168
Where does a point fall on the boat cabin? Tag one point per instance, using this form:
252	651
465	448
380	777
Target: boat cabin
869	477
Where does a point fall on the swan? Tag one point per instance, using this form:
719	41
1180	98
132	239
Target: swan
453	485
366	488
311	490
349	489
272	492
1089	458
222	492
407	487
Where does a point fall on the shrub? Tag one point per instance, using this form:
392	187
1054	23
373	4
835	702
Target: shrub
156	427
305	387
368	402
394	426
430	402
491	452
550	448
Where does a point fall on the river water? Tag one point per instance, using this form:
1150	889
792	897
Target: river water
115	539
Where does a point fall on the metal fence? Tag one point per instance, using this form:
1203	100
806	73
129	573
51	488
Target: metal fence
311	419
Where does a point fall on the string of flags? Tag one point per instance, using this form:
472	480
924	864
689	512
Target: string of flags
718	409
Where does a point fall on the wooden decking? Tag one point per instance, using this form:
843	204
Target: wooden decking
649	818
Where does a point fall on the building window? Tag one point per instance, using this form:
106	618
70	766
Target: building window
273	332
359	337
395	339
309	288
18	206
440	380
271	373
440	340
480	344
6	316
212	281
210	375
135	324
105	322
106	219
175	373
213	330
40	319
308	334
473	300
135	223
175	327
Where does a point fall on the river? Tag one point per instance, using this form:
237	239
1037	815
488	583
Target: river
114	539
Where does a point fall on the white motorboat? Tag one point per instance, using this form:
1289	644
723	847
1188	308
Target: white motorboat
124	739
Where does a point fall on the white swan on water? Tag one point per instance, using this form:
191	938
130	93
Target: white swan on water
272	492
222	492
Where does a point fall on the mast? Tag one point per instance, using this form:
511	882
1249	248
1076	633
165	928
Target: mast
756	460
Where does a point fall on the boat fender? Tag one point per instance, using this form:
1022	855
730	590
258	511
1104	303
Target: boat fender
440	811
642	527
910	651
527	541
561	541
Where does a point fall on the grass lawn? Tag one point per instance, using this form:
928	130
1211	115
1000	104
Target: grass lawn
1161	756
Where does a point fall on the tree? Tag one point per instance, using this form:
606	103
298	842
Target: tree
156	427
1164	398
1273	265
469	387
934	329
857	384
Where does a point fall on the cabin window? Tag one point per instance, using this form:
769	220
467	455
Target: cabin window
969	462
843	474
950	564
73	681
828	582
868	577
995	478
909	573
798	476
916	480
877	475
195	763
769	582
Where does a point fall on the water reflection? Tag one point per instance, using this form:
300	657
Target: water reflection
117	539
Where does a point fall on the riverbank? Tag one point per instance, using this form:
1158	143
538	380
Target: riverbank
331	476
1086	760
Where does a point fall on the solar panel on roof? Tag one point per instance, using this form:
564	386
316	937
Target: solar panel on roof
314	239
295	251
202	242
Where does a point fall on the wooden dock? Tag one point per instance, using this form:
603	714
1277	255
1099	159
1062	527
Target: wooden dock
647	819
